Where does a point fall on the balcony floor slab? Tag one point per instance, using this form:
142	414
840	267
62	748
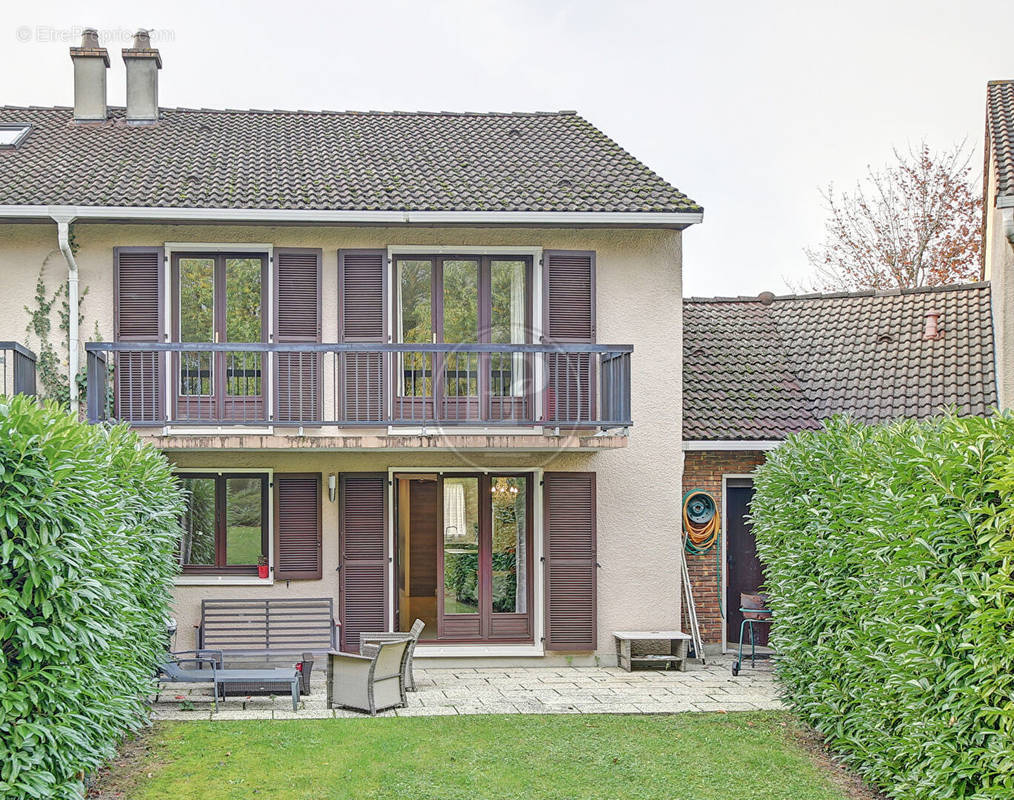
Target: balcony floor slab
281	442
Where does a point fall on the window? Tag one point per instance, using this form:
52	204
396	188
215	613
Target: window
13	133
464	300
225	522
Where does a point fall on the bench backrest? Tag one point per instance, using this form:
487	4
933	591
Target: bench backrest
256	626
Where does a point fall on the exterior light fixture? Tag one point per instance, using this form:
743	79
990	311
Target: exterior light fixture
332	482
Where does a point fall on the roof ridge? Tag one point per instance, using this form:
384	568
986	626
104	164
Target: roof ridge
950	287
322	112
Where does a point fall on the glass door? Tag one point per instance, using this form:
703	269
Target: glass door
484	561
220	298
462	300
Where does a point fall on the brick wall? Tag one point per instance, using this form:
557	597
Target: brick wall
703	469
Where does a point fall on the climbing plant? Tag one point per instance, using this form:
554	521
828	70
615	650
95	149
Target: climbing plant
52	359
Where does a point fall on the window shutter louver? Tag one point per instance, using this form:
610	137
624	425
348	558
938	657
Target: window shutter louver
569	316
298	376
363	556
570	570
298	535
138	317
362	293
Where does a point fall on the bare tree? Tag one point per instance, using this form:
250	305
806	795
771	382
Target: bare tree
916	222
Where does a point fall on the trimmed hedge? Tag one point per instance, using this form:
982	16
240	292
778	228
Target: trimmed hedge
88	526
889	559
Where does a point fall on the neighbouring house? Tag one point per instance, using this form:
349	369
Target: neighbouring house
998	226
757	369
425	364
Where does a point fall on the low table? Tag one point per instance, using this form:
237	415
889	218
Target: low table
651	649
256	681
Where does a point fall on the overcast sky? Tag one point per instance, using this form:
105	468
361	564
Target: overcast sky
748	107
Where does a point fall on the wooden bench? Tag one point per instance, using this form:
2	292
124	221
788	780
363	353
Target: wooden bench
303	626
651	649
280	626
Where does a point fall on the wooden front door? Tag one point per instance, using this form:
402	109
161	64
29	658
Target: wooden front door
745	574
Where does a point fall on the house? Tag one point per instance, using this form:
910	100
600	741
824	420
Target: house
425	364
757	369
998	226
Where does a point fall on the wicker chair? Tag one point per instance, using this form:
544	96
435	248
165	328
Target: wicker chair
377	638
371	682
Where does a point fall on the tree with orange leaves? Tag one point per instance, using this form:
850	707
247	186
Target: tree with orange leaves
916	222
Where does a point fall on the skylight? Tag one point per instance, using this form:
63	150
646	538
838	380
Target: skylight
13	133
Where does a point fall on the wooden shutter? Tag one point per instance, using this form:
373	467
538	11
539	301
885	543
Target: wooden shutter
570	569
298	376
362	293
298	535
569	317
362	543
139	317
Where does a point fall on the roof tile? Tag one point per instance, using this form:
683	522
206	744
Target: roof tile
755	371
351	161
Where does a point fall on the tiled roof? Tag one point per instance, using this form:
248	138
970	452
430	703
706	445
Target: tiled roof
756	370
357	161
1000	133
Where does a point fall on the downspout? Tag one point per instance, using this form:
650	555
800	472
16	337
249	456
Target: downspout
73	347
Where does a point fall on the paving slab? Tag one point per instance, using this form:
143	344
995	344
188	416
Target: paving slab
521	690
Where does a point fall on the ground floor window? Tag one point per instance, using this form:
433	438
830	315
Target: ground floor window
225	522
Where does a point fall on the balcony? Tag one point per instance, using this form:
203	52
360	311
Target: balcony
17	369
323	389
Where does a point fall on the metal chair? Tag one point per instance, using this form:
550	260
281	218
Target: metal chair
754	609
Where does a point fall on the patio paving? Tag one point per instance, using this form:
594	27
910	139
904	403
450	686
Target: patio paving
517	690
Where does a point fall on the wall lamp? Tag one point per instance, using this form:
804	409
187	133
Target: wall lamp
332	482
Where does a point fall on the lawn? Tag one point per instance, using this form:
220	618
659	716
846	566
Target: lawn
739	756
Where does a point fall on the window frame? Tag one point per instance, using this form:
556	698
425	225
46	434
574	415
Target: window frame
24	128
221	516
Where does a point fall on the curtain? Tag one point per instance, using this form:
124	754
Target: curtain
454	512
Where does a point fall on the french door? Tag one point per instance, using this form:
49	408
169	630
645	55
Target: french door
220	297
465	556
461	300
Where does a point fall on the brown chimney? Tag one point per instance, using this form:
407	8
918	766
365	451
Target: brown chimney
932	330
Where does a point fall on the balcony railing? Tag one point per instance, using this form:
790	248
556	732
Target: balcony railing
17	369
573	386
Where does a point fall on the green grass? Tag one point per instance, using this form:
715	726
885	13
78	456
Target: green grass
741	756
243	544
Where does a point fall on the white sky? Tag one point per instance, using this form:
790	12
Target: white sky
748	107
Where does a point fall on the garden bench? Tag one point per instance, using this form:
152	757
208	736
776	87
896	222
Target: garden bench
269	627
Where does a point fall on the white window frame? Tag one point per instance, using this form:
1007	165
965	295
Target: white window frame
236	580
537	648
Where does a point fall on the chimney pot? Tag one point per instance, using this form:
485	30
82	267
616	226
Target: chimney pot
90	65
932	329
143	63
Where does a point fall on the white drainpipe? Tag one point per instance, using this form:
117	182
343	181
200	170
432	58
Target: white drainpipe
74	356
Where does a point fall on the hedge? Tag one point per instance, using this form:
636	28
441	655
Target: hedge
88	525
889	559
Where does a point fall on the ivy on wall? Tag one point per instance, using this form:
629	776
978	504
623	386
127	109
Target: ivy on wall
53	359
